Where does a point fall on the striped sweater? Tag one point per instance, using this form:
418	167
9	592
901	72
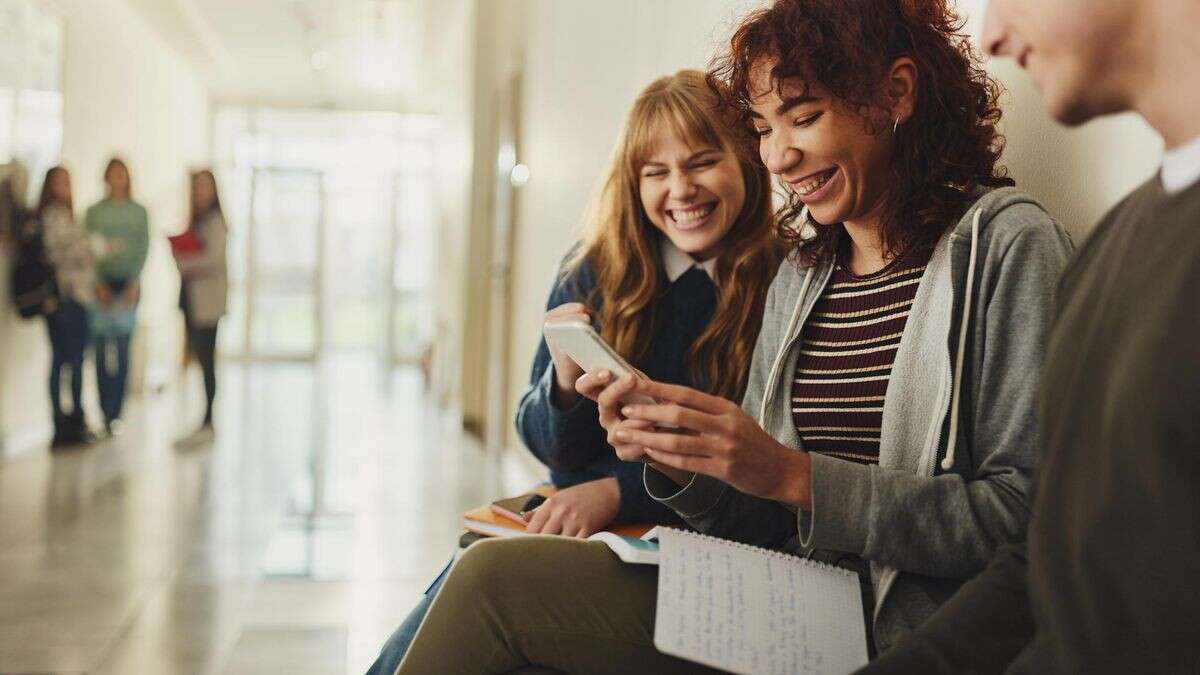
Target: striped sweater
849	344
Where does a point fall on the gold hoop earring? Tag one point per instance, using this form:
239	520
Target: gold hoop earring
896	126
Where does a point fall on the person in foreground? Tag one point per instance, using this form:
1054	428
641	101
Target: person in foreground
1107	581
673	270
888	423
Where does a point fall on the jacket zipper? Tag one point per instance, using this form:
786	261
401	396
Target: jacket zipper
794	333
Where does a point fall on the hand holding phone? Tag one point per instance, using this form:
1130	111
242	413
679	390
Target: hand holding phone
579	341
566	371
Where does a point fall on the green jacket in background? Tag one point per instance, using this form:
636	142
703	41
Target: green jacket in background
125	229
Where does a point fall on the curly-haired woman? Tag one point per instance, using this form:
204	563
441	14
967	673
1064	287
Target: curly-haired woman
889	422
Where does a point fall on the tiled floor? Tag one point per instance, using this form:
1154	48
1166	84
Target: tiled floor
292	544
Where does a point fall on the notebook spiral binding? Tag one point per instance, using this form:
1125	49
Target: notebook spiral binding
777	555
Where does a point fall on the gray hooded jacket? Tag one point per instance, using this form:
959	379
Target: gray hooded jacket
957	451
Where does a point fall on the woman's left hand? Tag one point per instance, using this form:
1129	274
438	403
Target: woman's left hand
716	438
577	511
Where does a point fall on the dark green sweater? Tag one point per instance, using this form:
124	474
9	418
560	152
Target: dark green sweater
1109	581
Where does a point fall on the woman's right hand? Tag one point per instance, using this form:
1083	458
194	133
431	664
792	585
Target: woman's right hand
607	394
608	400
566	371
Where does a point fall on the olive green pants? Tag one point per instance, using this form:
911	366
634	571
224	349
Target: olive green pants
543	604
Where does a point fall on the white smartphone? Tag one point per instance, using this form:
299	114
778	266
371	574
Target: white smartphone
585	347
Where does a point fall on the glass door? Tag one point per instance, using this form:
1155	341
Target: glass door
284	264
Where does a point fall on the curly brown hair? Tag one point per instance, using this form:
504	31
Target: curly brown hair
949	146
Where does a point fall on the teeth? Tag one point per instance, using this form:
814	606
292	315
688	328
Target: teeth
813	185
691	215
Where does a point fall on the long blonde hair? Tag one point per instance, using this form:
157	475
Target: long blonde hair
622	246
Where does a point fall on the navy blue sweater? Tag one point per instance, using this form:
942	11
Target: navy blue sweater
571	442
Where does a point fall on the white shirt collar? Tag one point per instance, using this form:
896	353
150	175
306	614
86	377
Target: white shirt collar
676	262
1181	166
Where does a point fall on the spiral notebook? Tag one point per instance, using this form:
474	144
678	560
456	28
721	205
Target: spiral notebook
749	610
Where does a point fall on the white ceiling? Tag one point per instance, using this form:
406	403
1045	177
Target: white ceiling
261	51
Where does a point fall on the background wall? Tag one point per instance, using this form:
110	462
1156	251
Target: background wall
449	88
125	92
498	61
584	63
1077	174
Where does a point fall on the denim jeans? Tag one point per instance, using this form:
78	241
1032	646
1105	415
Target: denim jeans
112	371
397	645
68	329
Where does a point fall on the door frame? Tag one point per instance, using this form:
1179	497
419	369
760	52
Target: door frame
249	352
498	410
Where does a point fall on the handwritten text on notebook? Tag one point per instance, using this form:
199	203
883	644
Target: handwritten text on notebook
754	611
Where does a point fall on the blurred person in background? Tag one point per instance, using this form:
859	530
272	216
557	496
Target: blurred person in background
200	256
12	202
67	248
120	234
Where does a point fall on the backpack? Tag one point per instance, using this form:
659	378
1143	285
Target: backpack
34	288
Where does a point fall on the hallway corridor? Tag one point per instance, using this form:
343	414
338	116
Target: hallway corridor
330	498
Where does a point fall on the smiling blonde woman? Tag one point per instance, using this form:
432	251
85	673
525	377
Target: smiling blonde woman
673	268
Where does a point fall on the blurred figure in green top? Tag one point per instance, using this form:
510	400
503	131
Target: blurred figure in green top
120	235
